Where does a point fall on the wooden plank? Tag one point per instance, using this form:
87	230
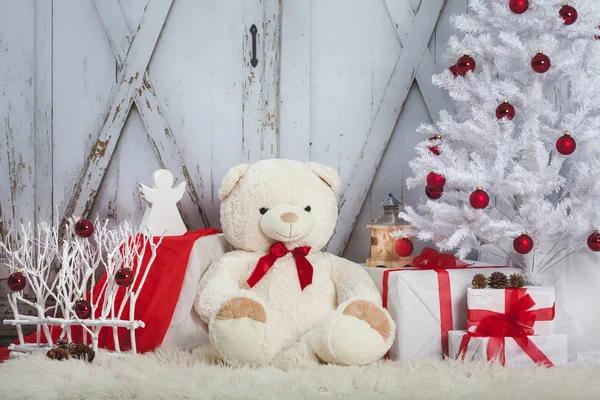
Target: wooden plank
260	100
130	80
17	154
43	110
295	97
436	100
355	192
151	112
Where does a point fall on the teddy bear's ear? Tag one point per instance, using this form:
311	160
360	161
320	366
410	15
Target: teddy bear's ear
327	175
231	179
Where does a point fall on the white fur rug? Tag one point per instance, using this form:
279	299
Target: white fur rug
185	375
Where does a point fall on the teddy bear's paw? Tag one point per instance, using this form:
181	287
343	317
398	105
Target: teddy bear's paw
371	314
238	332
360	334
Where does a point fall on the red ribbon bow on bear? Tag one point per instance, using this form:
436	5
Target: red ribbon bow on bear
278	250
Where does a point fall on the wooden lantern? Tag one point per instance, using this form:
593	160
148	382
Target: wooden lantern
383	246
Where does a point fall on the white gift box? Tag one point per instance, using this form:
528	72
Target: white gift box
412	297
495	300
553	347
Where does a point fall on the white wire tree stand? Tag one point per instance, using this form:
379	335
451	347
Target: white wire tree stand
61	270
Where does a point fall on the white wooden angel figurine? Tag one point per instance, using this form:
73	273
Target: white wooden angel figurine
162	216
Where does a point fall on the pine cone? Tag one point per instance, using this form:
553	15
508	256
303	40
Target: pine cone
62	343
479	281
82	351
498	280
516	281
58	353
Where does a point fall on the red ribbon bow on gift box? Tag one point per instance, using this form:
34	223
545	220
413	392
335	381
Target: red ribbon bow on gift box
432	259
517	323
278	250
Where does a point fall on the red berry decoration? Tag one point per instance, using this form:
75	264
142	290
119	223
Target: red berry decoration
568	14
432	193
436	181
124	277
565	144
540	63
518	6
16	281
404	247
523	244
593	241
454	70
479	199
505	110
83	309
84	228
465	64
436	148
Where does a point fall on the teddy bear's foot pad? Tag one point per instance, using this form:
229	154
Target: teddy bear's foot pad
238	340
355	342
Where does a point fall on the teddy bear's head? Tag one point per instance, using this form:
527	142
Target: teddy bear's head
279	201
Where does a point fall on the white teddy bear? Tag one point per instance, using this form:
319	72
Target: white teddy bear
278	294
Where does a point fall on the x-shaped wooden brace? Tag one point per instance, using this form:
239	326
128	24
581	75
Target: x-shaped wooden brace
133	51
415	62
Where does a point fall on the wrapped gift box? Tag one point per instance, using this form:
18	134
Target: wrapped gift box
484	303
548	350
426	304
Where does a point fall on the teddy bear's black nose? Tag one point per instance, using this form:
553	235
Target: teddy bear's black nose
289	217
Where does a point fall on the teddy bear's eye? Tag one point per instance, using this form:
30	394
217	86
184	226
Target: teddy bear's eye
307	209
263	210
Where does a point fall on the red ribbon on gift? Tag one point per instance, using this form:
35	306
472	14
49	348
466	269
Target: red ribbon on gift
517	323
431	259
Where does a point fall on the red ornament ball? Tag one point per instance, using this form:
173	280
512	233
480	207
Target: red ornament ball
479	199
432	193
124	277
454	70
436	148
568	14
505	110
565	144
84	228
523	244
465	64
540	63
593	241
518	6
16	281
598	35
436	181
404	247
83	309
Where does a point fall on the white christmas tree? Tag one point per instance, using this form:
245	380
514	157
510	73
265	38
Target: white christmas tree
515	164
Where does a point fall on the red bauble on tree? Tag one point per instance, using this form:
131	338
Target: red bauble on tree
83	309
479	199
16	281
465	64
404	247
436	181
436	148
518	6
598	35
593	241
505	110
432	193
84	228
540	63
124	277
523	244
454	70
565	144
568	14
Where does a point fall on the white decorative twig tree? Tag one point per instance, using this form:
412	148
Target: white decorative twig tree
514	164
62	274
